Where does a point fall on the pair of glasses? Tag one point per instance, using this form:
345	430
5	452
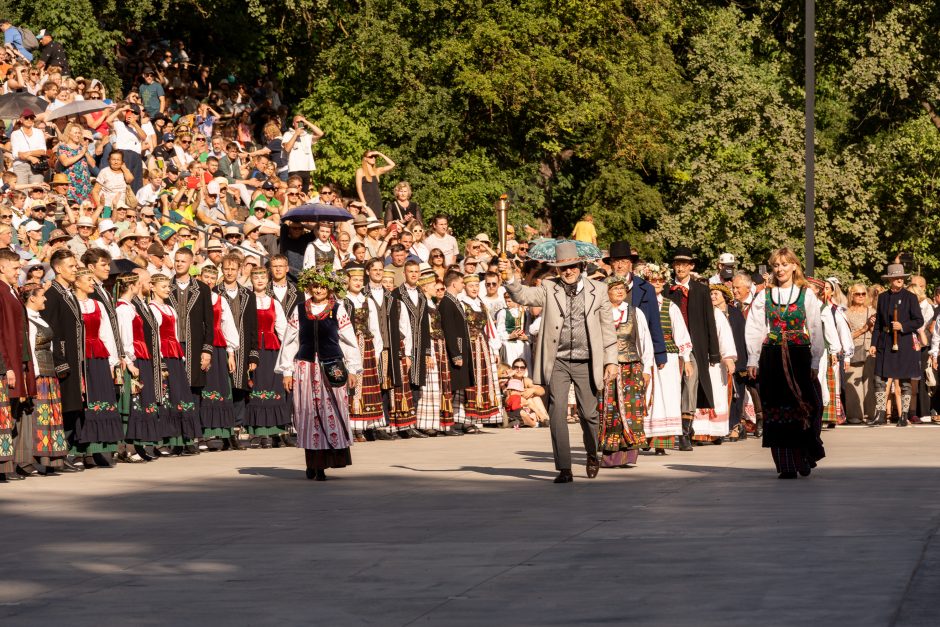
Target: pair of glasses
492	284
29	117
201	139
5	216
860	294
185	142
437	256
233	237
523	250
518	367
326	191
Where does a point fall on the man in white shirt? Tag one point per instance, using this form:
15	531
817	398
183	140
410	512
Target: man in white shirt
441	239
106	232
298	144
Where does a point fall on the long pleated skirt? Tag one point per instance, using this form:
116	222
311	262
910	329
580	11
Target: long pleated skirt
143	411
620	421
365	403
402	410
7	451
45	422
436	407
792	424
321	418
269	408
179	415
482	402
663	421
216	410
100	427
712	423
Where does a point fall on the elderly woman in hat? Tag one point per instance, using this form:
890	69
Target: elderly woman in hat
320	361
664	421
785	345
898	317
623	405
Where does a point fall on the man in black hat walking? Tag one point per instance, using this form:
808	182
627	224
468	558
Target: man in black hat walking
694	301
577	346
892	343
642	295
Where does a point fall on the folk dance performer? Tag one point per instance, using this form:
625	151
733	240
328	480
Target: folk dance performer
712	424
269	404
411	331
216	406
457	347
143	388
482	402
664	419
623	404
829	386
784	347
379	301
365	401
319	360
436	405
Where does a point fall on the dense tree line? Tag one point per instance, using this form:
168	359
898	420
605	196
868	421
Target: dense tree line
670	121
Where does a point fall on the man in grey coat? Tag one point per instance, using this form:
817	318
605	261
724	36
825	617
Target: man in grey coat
577	345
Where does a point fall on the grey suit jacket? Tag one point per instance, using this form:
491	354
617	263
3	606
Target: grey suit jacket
602	337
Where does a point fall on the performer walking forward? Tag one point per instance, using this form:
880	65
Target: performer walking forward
319	358
436	406
892	343
100	429
828	366
268	404
623	405
482	402
695	303
379	301
50	446
457	345
664	420
216	407
68	350
713	424
577	345
784	348
139	394
365	401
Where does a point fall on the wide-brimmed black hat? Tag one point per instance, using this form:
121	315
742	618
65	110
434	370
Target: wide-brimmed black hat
621	250
683	253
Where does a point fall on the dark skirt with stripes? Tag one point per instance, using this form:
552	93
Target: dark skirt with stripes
365	402
143	418
179	416
100	427
216	410
6	431
269	407
792	424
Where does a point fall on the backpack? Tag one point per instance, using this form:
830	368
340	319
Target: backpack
29	39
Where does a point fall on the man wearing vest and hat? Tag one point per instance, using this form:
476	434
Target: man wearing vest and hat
695	303
898	318
641	294
577	345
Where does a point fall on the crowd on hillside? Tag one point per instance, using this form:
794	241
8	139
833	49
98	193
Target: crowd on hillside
156	302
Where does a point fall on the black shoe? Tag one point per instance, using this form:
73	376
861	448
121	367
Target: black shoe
660	451
415	433
759	429
804	472
144	454
276	441
830	425
235	443
12	476
311	473
684	444
403	435
49	471
321	475
380	434
431	433
71	466
564	476
787	475
104	460
451	432
903	422
718	441
593	467
191	450
879	419
289	440
177	450
266	442
853	421
27	471
89	461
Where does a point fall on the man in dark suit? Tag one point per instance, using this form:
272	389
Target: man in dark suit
695	303
62	314
281	287
409	312
244	307
192	301
98	260
642	295
456	339
381	301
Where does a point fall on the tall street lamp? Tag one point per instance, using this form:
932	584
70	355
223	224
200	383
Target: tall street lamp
810	191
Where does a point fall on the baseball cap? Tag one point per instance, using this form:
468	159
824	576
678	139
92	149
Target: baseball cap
726	258
168	137
105	225
268	185
32	225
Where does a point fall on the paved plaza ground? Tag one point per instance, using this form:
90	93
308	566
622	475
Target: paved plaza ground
471	531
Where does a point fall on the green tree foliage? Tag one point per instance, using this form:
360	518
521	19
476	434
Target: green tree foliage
672	122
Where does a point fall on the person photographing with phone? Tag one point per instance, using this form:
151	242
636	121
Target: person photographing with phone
298	144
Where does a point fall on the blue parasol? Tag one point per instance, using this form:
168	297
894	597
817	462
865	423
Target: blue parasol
317	212
545	250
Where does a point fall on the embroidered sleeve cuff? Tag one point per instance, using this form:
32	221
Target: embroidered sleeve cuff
207	348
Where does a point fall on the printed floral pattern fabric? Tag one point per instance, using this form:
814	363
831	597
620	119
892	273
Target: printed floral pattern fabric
786	321
78	173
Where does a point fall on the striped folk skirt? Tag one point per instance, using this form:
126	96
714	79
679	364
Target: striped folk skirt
321	418
482	402
269	406
436	407
832	412
365	404
100	427
620	421
402	414
143	411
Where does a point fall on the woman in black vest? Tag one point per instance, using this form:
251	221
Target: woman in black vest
318	351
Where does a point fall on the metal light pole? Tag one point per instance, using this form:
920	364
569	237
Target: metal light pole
810	191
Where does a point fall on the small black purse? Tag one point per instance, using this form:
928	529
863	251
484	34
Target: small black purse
41	166
333	369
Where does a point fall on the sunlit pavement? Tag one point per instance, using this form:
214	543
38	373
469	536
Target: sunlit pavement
472	531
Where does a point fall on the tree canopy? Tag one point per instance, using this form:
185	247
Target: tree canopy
672	122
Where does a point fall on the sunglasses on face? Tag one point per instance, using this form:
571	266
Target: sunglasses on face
29	117
185	142
860	294
437	256
492	284
5	216
201	139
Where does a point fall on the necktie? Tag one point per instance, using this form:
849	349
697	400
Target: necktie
571	290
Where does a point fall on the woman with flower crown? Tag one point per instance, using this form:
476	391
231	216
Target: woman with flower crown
320	362
785	344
